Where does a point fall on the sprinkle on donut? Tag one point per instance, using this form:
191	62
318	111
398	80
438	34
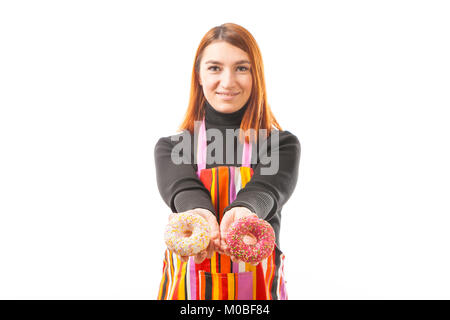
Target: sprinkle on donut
260	229
187	234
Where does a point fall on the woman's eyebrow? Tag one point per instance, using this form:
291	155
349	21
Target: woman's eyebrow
220	63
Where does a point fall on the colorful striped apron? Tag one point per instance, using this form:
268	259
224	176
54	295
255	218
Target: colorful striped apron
219	278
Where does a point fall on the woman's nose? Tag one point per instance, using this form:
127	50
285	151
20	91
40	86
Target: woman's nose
227	79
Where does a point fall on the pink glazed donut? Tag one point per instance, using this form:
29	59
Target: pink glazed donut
187	234
260	229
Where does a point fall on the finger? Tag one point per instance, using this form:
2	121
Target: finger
213	225
220	251
209	250
223	246
184	258
215	233
234	259
215	236
200	257
224	226
225	223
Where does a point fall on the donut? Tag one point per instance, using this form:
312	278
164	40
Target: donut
187	234
260	229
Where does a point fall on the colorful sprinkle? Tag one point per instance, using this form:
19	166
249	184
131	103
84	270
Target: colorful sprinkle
178	226
260	229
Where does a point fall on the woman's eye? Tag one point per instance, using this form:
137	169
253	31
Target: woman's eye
242	68
245	68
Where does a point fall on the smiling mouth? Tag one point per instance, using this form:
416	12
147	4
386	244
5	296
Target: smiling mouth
228	94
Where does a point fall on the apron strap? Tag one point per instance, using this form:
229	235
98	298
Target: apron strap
202	147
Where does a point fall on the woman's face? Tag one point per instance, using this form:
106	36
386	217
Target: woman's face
225	69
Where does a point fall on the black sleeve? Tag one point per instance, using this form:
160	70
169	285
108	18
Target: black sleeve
178	184
266	194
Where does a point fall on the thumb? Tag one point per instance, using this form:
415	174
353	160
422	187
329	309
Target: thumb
226	222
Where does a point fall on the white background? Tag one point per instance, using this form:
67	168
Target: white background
88	87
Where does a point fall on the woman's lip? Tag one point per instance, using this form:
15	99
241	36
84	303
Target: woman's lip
229	94
227	97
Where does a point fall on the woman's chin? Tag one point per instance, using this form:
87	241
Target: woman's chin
226	108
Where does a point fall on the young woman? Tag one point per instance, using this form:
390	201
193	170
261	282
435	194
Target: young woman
227	174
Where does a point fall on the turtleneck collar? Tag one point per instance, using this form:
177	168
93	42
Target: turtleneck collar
214	117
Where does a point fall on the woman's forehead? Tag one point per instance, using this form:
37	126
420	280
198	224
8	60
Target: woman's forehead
224	53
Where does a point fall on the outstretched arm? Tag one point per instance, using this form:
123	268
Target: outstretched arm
178	184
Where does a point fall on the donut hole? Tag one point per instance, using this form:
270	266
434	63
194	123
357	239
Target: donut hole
187	233
249	239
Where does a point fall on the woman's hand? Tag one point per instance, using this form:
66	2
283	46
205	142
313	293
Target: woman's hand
214	242
229	217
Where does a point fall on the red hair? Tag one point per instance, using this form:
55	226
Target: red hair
258	114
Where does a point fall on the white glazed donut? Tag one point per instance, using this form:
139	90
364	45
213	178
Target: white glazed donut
187	234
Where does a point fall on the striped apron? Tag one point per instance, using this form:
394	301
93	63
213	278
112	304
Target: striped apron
219	278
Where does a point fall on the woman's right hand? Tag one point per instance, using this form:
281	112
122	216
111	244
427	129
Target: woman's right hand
214	242
232	215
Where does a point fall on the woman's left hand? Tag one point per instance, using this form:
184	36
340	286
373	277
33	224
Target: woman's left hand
232	215
214	241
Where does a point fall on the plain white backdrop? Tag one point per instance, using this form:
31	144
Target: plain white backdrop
88	87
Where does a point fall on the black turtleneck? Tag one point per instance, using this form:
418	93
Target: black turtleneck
223	121
265	195
220	119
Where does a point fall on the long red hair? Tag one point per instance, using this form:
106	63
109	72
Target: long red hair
258	114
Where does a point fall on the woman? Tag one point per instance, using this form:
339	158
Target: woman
223	182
